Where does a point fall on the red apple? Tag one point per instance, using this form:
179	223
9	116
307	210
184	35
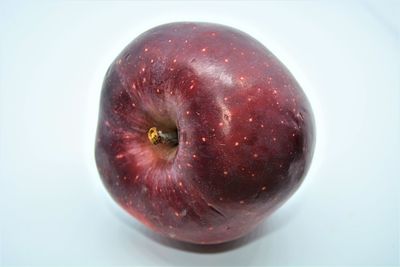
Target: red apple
202	132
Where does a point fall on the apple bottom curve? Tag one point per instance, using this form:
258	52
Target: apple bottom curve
243	128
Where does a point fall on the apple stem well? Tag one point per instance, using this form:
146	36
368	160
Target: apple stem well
158	137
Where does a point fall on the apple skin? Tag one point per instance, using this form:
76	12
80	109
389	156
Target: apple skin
245	128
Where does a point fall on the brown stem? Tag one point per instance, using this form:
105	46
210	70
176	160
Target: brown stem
158	137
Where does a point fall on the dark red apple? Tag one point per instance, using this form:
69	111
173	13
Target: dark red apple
202	132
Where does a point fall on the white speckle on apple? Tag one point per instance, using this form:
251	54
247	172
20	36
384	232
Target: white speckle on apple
236	143
226	60
183	212
119	156
263	188
274	139
225	173
241	202
144	79
169	41
180	184
255	155
221	198
146	49
250	119
203	50
194	156
210	228
203	139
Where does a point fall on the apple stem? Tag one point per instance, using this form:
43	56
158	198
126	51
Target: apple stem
158	137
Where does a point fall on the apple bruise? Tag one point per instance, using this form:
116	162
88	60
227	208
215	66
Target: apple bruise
245	128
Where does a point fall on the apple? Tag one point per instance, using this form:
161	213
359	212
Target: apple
202	132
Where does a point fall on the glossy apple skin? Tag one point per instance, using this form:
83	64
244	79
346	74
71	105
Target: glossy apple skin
246	132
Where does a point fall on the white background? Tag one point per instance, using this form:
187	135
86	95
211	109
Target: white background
54	209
